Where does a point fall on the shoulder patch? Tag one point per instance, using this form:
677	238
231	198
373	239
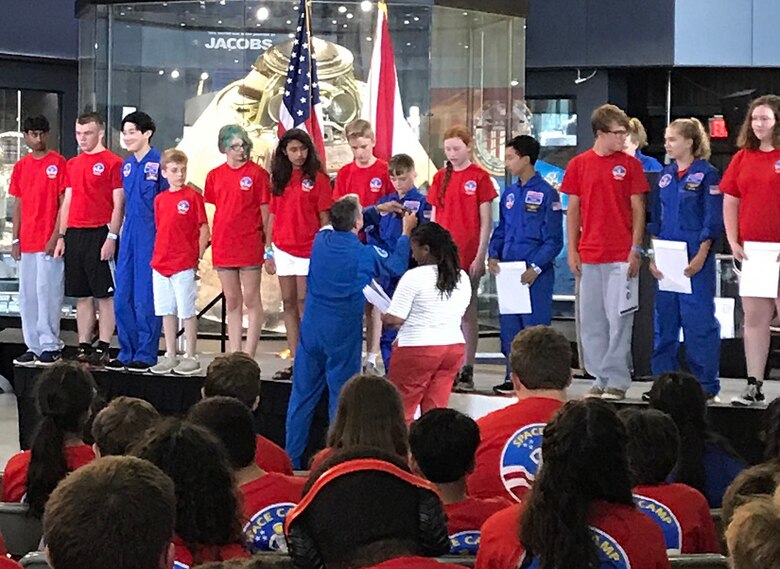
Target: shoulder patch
265	530
665	180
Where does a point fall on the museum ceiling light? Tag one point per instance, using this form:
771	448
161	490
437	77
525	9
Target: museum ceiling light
263	13
366	5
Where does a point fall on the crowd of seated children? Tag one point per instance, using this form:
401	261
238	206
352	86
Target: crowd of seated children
267	496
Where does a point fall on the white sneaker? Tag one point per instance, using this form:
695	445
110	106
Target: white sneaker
165	365
187	366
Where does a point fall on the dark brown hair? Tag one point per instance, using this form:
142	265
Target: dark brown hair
370	413
234	375
603	117
400	164
121	423
91	116
759	480
541	358
116	512
747	138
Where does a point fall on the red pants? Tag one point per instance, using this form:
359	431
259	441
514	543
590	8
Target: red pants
424	375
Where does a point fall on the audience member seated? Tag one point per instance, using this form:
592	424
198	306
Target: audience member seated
208	520
237	375
5	562
364	508
63	395
580	512
443	443
680	511
771	430
369	413
267	496
760	480
118	513
508	455
752	535
121	424
708	464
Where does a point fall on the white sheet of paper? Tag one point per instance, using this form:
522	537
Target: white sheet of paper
629	297
377	296
513	296
671	258
760	271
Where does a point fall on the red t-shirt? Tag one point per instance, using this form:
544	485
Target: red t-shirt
206	553
6	563
38	183
369	183
413	562
297	213
238	194
266	502
178	216
459	214
319	458
93	179
753	176
605	185
15	474
629	537
471	513
510	447
683	515
271	457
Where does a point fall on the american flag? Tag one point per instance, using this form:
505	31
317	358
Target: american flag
301	106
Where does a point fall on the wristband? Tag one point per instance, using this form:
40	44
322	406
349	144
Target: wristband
112	236
638	250
15	242
269	253
536	269
61	236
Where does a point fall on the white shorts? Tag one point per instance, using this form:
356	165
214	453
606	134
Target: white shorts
175	295
290	266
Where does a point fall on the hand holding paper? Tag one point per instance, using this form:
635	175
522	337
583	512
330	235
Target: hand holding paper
513	296
760	270
671	260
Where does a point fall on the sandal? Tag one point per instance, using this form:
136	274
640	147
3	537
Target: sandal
284	374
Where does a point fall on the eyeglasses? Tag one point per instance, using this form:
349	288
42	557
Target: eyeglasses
618	132
237	147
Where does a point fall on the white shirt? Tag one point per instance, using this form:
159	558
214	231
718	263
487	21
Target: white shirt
431	317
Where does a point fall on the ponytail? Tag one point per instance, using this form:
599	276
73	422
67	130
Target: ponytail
693	130
444	251
63	395
444	183
462	133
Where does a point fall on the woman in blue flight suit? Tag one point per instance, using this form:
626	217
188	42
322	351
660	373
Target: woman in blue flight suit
530	229
690	210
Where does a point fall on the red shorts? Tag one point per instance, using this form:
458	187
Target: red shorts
424	375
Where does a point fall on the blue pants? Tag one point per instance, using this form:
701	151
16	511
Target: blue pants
695	314
137	326
328	354
389	284
541	304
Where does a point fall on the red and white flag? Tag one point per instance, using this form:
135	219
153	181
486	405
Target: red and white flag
382	106
301	105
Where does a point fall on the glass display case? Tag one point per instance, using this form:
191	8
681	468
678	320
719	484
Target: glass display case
195	66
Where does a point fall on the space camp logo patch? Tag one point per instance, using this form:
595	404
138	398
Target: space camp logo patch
376	185
98	169
470	187
183	207
664	518
611	554
665	180
520	459
510	201
307	185
777	167
465	543
619	172
127	169
245	183
265	530
51	172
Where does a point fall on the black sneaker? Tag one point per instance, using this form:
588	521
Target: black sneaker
116	365
49	358
27	359
84	352
751	395
99	357
137	367
464	381
505	388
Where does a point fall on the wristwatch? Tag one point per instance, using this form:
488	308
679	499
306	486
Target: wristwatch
536	269
113	236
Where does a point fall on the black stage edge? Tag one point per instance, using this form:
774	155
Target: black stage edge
170	395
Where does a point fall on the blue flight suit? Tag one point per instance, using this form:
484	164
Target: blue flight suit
384	231
649	164
530	229
331	337
691	210
138	328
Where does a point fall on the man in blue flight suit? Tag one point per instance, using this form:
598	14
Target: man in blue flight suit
690	209
383	224
137	326
530	229
329	348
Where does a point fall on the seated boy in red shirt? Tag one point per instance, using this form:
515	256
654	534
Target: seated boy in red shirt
237	375
267	496
508	455
681	512
121	424
443	443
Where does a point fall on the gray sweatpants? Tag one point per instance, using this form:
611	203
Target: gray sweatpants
41	291
605	334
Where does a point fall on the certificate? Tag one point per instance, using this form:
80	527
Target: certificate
671	258
513	296
760	271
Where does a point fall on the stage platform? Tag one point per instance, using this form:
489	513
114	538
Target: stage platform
174	395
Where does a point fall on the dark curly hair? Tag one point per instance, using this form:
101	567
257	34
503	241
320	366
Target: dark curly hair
583	460
653	444
443	252
282	168
63	395
207	506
